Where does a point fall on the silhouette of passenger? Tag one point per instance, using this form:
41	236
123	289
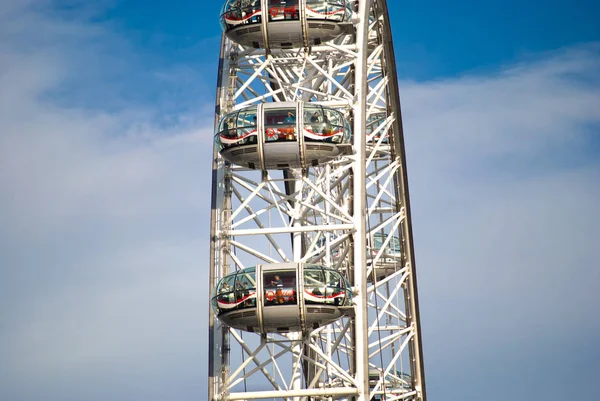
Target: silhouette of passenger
277	281
290	119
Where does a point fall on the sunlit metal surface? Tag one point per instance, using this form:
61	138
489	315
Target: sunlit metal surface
280	207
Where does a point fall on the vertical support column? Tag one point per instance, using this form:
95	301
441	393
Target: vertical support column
214	340
304	22
213	382
264	6
297	254
328	256
224	256
361	354
402	193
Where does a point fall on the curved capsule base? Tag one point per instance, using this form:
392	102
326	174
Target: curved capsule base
283	155
272	299
383	270
282	318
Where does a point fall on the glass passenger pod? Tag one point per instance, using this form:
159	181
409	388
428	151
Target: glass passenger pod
325	134
395	382
390	256
269	298
375	128
241	20
327	244
392	251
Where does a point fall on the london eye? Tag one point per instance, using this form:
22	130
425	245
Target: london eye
312	269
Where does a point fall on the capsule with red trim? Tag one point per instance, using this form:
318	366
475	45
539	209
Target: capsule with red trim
283	135
283	23
282	297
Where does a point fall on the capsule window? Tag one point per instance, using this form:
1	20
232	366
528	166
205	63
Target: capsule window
247	118
245	289
280	10
392	248
236	13
313	121
333	287
395	245
325	286
226	285
314	286
280	124
228	125
313	115
279	287
336	10
246	127
321	124
225	297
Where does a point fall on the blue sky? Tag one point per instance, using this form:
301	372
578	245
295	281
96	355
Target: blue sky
105	141
436	40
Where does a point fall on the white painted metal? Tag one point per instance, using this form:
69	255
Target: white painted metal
361	321
332	215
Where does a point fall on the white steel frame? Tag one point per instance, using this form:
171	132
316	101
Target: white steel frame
326	215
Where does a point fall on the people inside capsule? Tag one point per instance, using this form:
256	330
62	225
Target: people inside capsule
321	124
278	284
324	287
321	286
243	12
277	291
235	290
237	129
327	130
290	119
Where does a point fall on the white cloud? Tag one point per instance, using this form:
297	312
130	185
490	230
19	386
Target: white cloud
504	174
524	111
104	210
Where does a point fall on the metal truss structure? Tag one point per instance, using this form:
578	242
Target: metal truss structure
351	214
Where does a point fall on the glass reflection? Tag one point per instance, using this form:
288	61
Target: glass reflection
235	291
244	12
236	129
280	287
280	125
325	286
326	125
321	124
321	286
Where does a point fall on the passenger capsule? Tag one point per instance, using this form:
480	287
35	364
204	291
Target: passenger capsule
390	256
283	135
242	22
271	298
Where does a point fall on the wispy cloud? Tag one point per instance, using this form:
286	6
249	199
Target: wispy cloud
522	113
504	171
105	207
104	210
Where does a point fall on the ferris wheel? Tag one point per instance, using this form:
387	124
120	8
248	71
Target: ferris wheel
312	271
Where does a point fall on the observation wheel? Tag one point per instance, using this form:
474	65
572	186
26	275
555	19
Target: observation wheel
312	272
